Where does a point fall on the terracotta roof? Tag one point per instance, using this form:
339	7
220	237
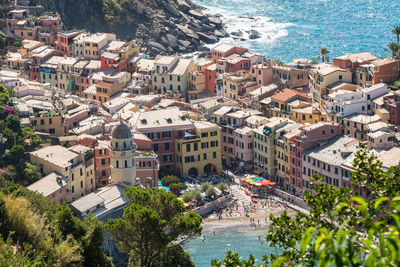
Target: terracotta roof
287	94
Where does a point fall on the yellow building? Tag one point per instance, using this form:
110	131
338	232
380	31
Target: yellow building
237	85
285	101
75	164
28	46
49	123
323	75
356	125
199	153
308	115
89	45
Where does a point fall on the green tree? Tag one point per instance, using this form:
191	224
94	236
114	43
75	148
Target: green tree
323	54
4	99
204	187
169	179
335	216
18	42
15	154
174	256
177	188
32	173
396	31
187	197
197	196
89	233
223	187
211	193
13	123
393	48
151	225
28	133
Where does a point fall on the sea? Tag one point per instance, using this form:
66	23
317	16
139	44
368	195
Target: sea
299	28
213	245
292	29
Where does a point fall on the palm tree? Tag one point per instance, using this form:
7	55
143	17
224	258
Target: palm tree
393	48
323	54
396	30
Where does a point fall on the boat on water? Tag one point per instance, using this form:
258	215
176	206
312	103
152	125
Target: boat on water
254	200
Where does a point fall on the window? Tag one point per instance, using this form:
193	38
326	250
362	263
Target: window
214	155
196	146
204	134
323	132
126	164
81	184
166	146
81	171
340	77
166	134
204	156
73	189
117	163
103	161
204	145
155	147
187	147
336	171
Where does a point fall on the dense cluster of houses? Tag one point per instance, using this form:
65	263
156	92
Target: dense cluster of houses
191	116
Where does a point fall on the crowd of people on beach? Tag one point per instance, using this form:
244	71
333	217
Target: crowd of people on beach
252	210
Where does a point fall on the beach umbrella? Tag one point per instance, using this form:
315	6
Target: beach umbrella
259	184
243	179
254	175
252	182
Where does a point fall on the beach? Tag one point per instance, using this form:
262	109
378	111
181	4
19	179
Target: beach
242	215
238	229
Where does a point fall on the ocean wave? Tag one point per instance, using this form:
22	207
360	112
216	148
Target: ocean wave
241	28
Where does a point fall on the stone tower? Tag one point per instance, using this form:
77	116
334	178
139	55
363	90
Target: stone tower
122	155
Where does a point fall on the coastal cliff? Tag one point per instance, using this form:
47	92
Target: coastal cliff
163	26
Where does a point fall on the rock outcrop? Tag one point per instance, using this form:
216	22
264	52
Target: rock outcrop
162	26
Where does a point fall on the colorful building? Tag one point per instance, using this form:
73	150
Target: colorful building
162	127
199	152
75	164
48	122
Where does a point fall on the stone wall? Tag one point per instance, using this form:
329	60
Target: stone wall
296	201
210	207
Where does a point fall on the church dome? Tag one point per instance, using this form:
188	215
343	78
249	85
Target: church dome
121	131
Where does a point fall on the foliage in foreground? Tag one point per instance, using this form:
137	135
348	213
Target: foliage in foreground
153	228
42	233
342	229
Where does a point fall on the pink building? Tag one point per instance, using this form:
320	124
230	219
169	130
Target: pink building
233	140
162	127
326	160
76	115
52	186
312	136
244	145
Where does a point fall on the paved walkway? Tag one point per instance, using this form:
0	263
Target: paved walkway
239	195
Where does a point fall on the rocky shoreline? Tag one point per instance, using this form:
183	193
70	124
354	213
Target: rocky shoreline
184	28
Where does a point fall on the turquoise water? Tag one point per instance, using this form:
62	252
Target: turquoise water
299	28
244	241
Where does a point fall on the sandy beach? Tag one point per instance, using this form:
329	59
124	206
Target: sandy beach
253	215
